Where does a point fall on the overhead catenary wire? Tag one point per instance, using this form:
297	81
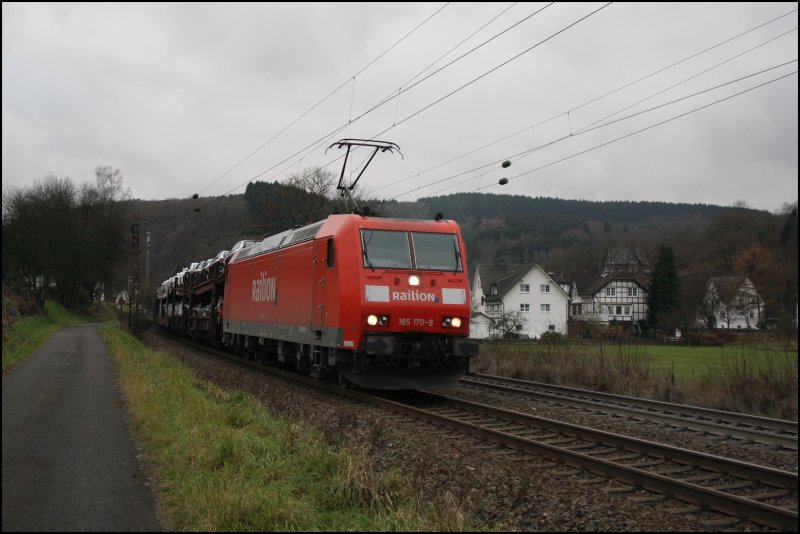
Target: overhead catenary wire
598	98
560	114
312	108
416	174
631	134
345	125
406	86
529	151
600	145
494	163
502	64
690	77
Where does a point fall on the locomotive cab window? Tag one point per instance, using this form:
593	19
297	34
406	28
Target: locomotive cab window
436	252
385	249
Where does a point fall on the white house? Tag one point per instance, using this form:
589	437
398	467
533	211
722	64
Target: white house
730	302
521	299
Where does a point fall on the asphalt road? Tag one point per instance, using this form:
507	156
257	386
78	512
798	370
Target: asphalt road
69	462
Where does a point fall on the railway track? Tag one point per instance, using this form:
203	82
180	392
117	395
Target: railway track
743	491
763	495
728	425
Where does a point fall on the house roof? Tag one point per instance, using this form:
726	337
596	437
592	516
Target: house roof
727	287
590	283
504	276
625	256
480	316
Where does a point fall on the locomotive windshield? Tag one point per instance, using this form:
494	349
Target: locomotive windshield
386	249
389	249
436	252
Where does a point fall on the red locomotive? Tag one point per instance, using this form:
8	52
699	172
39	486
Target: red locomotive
380	303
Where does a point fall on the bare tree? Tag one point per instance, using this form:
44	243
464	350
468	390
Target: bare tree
708	309
508	324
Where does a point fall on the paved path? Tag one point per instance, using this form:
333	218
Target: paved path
69	463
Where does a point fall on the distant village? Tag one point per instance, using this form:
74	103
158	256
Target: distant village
525	301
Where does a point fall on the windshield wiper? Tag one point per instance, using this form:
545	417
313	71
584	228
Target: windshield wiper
364	246
369	263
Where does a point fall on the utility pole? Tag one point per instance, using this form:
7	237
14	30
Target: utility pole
147	263
133	279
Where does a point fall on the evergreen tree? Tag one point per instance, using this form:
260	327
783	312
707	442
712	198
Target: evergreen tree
663	300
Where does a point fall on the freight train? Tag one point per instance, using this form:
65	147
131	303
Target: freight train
375	302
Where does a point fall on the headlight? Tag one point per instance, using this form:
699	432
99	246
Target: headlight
451	322
382	320
413	280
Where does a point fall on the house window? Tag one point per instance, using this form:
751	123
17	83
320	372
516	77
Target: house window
525	288
545	288
619	310
518	327
524	307
551	327
632	291
493	289
545	307
627	310
577	309
611	291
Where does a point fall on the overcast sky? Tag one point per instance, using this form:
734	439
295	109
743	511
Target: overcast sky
202	98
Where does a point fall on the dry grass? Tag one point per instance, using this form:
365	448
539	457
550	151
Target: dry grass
747	378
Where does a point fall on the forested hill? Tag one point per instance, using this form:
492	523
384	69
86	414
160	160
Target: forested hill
469	207
563	235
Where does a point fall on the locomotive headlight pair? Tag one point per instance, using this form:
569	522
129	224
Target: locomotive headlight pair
451	322
375	320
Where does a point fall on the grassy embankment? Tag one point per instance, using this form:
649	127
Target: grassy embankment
224	462
754	378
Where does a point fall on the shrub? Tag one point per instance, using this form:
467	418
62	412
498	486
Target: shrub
551	338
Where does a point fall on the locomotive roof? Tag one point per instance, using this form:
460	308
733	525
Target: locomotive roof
335	222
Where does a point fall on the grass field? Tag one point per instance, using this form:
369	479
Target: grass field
754	378
693	361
